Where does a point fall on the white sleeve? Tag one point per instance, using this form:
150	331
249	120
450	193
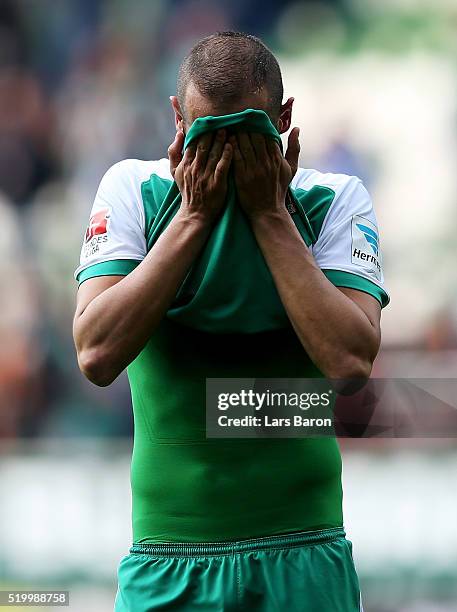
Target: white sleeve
348	242
115	232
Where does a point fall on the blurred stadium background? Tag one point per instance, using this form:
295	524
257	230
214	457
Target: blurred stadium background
85	83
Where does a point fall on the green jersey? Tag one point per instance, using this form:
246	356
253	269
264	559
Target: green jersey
185	487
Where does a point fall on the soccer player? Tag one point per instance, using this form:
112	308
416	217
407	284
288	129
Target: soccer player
229	524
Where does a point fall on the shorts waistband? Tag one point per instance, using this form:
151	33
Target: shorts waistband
196	549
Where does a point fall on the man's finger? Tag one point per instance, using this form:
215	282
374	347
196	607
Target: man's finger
293	150
175	152
246	148
189	153
203	148
216	150
223	165
238	159
258	142
273	148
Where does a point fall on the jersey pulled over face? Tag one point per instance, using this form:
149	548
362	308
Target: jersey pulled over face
186	487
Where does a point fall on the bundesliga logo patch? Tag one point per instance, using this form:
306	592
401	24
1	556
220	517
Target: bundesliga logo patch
365	246
96	232
98	224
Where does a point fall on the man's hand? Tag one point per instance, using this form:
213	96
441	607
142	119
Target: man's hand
201	174
262	173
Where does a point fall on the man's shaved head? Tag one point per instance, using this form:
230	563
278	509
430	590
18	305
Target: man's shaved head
230	66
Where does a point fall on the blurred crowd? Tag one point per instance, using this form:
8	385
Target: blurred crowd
83	84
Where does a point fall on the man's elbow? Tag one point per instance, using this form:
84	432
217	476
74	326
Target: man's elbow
352	367
96	367
350	374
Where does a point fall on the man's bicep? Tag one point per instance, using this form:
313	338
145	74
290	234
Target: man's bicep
92	288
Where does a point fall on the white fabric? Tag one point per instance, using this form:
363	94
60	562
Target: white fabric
341	244
346	241
118	207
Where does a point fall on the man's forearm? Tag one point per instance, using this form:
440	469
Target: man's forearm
335	332
112	329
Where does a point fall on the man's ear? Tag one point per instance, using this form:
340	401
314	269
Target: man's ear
179	118
285	116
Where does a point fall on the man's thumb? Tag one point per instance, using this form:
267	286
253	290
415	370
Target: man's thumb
293	150
175	151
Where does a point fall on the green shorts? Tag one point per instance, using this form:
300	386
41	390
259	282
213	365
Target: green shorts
306	572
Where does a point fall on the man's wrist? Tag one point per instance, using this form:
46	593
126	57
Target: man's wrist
276	227
193	219
270	217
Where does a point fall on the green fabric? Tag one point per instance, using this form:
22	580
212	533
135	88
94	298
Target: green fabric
153	193
296	574
229	288
316	203
186	487
353	281
122	267
117	267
